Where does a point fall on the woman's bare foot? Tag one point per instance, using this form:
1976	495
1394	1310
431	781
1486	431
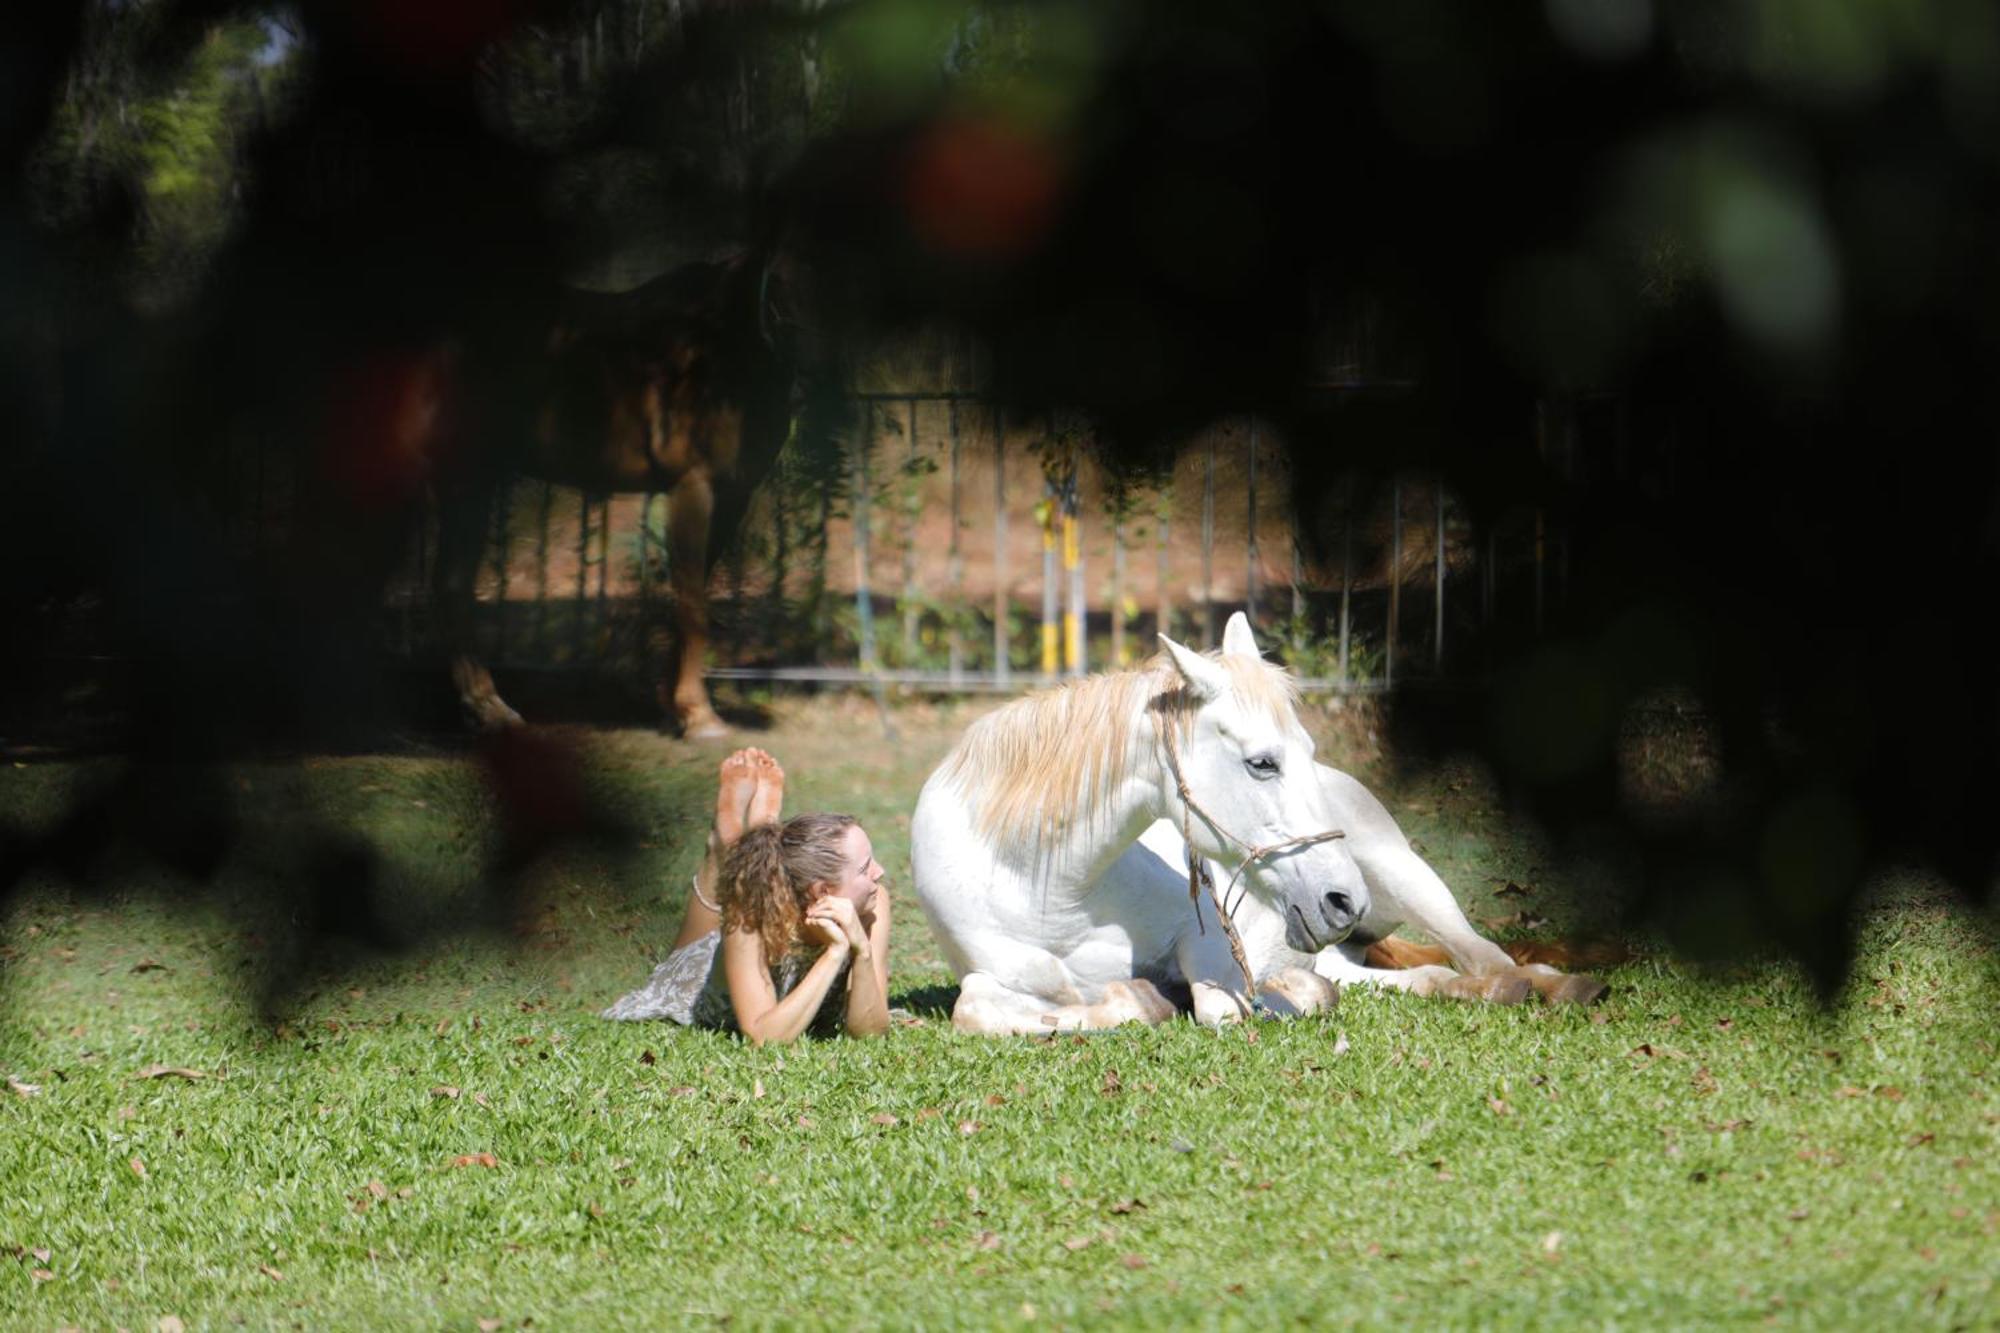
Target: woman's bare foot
733	795
769	797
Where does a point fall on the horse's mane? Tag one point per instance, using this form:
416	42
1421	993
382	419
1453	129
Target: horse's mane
1045	761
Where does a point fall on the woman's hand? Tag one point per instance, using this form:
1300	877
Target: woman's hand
834	919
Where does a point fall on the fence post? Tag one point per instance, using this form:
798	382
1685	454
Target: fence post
1002	669
955	561
1163	566
1051	646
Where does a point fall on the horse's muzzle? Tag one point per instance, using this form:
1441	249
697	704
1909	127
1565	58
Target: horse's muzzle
1338	911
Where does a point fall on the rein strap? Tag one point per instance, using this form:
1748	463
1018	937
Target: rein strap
1198	875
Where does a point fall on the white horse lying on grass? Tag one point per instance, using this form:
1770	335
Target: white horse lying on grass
1049	854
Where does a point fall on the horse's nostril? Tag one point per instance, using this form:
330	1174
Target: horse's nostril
1339	908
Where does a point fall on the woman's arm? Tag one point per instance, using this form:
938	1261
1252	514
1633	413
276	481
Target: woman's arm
868	979
760	1014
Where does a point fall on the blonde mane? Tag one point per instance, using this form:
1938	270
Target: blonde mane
1048	760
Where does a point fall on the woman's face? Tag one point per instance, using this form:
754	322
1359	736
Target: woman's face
861	874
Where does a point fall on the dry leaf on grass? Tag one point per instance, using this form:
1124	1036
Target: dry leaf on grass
1128	1206
970	1126
883	1118
171	1324
270	1272
150	965
42	1274
20	1089
1132	1261
1075	1243
475	1159
986	1240
170	1071
138	1168
445	1090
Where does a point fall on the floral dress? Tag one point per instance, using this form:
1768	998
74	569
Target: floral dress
689	988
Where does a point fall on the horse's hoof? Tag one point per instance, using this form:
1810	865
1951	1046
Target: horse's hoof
1576	989
1295	991
1500	988
493	718
709	728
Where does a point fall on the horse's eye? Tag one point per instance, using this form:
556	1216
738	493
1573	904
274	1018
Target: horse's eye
1262	765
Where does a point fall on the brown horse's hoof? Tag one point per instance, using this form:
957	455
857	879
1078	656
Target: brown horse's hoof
1499	988
704	727
1574	988
491	717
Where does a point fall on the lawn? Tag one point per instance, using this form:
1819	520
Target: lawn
450	1138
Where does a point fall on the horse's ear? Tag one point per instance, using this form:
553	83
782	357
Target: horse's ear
1238	641
1205	680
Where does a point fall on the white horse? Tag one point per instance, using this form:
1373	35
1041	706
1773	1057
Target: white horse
1048	854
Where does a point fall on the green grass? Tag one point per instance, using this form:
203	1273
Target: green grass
1698	1150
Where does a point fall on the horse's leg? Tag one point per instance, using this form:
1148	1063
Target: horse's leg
690	505
462	513
1404	889
986	1005
1531	958
1337	965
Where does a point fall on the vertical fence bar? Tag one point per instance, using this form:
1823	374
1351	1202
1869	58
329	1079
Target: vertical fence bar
1163	565
542	517
1490	575
954	560
1395	582
1346	577
1074	621
1253	554
913	508
1002	669
582	601
1541	532
864	601
1118	585
1437	633
1050	643
503	501
1208	544
603	617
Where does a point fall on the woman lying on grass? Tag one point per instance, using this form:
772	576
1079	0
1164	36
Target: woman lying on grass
798	912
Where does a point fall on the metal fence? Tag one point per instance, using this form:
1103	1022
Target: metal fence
958	551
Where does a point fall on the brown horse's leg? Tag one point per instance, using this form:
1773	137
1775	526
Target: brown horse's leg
690	505
1533	958
1393	951
462	516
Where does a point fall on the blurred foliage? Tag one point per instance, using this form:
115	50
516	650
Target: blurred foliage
160	136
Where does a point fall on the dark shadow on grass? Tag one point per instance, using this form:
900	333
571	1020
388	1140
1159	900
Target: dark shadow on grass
927	1001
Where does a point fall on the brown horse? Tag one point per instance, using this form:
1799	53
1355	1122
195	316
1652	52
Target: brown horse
683	386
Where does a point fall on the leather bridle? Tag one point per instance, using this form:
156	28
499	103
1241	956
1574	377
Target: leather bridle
1198	875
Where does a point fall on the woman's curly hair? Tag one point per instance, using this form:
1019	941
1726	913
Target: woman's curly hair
766	879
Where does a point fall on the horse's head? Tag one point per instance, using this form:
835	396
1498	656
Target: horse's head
1248	765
